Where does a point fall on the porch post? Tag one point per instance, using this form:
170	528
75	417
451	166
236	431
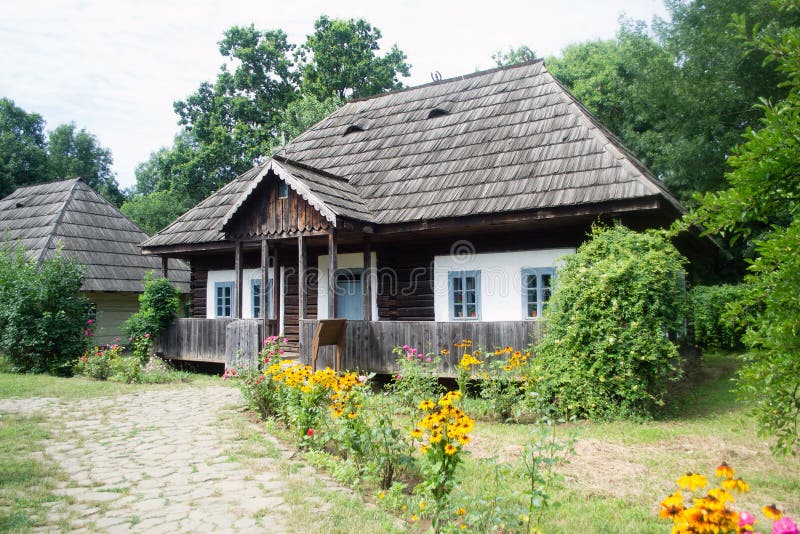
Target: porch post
164	267
367	273
276	291
237	286
332	266
265	286
301	277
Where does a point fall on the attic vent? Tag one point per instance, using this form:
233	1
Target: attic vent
353	128
440	109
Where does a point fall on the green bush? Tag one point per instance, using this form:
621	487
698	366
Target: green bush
713	326
606	351
42	313
158	305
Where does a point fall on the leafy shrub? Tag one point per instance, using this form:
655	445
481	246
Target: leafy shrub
417	380
606	351
42	313
158	305
713	326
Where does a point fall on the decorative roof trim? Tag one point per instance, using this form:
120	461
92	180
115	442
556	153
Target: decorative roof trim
297	186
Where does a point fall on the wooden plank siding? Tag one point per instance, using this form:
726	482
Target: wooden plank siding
368	344
209	340
264	214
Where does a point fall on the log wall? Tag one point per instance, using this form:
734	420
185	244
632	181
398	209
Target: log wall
368	345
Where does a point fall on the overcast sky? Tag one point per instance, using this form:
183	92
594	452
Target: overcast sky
115	68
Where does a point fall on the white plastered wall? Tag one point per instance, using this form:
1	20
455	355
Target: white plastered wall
248	275
345	261
500	283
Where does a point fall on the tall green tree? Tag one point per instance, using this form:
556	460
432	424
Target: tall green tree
23	149
72	152
519	54
340	59
762	203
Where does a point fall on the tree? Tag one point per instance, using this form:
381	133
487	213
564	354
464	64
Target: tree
77	153
514	55
305	112
762	203
339	59
23	151
155	211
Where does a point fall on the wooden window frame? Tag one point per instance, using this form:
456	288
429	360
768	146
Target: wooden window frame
220	305
538	272
463	275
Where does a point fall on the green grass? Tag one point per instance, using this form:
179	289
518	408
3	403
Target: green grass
36	385
622	469
26	484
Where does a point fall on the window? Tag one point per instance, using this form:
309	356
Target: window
223	299
464	288
283	189
255	292
537	285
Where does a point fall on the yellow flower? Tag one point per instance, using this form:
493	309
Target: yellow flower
436	437
382	495
736	484
427	405
463	440
692	481
424	448
672	506
422	505
445	352
772	512
449	449
461	511
414	517
416	433
724	471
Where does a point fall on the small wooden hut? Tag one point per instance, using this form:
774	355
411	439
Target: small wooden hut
424	216
71	215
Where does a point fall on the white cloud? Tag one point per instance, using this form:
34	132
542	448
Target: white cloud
116	67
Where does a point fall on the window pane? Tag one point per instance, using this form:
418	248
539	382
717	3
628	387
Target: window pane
472	311
530	281
547	282
470	282
457	283
470	297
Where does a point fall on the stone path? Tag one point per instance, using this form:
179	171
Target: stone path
157	461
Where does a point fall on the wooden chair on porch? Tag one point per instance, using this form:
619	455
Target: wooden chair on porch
329	332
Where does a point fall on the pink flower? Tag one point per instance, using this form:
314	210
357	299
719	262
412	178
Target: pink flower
398	377
130	339
420	356
280	351
746	518
784	525
285	340
147	336
405	347
86	333
427	360
409	357
362	378
89	321
310	432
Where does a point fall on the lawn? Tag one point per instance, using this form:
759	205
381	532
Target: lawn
621	470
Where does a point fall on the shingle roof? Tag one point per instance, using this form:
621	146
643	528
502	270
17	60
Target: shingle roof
507	139
72	215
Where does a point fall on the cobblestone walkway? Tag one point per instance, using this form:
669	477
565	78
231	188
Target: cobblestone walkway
157	461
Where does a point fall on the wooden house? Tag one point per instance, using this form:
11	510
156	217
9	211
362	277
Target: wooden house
423	215
72	216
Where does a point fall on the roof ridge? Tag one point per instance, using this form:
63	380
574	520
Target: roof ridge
59	218
450	80
612	139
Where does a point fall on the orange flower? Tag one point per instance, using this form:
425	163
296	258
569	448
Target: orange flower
692	481
724	471
672	506
772	512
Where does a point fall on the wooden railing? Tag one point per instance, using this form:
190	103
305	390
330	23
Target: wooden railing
368	344
229	341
